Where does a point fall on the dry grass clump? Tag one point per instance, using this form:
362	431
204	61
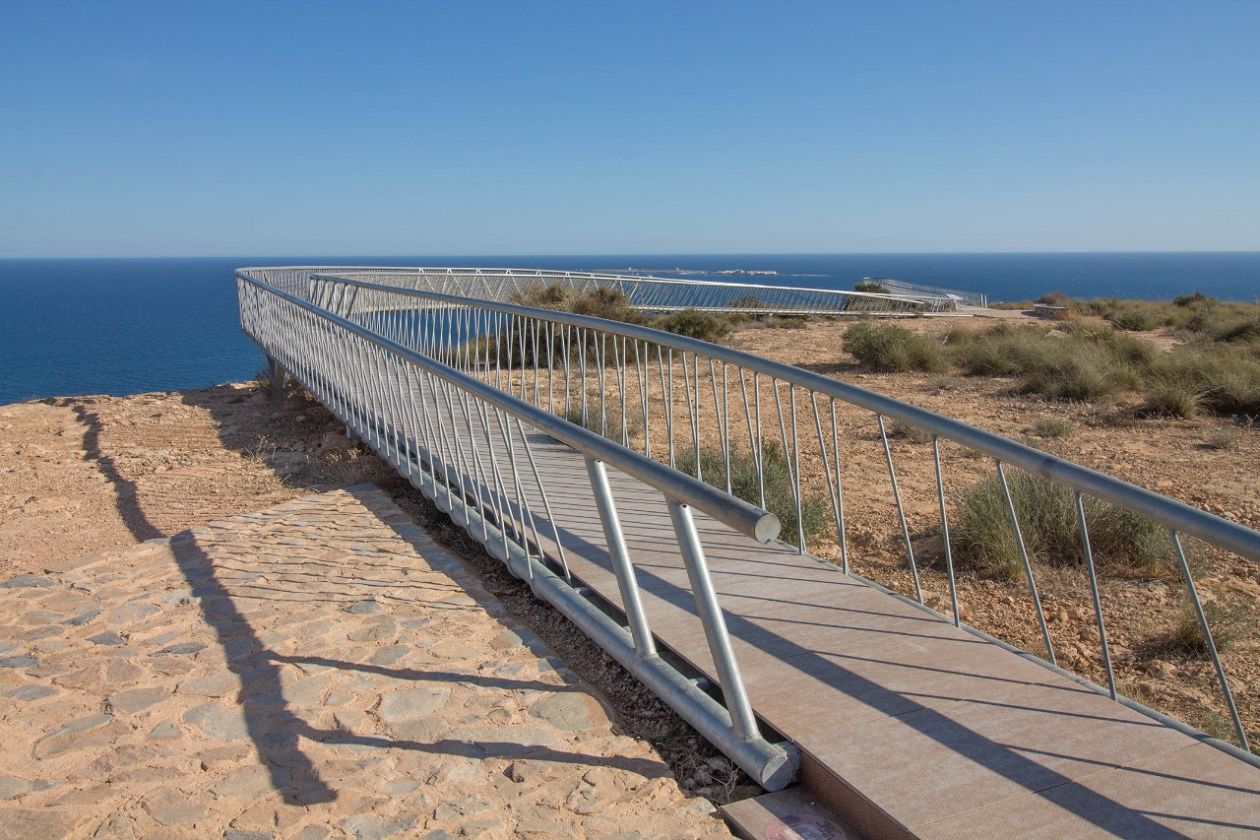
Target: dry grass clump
891	349
693	323
871	287
1171	398
1052	427
612	304
777	480
1124	543
1185	636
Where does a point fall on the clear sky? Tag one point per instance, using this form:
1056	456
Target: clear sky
175	128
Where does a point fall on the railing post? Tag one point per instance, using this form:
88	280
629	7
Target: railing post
644	645
732	682
279	377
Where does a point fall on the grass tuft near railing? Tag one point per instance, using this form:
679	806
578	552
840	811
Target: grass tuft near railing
1125	544
777	478
891	349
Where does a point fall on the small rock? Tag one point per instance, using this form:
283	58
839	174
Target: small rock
218	721
133	700
78	734
171	807
412	703
109	637
363	607
164	731
224	684
238	834
369	827
84	617
26	582
22	660
181	649
567	711
29	693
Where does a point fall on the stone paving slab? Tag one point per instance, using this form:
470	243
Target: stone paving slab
320	669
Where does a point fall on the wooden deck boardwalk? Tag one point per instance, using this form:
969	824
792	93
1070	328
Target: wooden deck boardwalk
907	726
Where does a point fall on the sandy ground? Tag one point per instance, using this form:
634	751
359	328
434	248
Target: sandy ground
317	670
80	476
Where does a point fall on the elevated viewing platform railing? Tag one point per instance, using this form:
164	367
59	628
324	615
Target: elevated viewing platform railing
654	294
466	394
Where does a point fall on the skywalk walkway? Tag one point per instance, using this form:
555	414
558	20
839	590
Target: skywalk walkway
907	726
901	723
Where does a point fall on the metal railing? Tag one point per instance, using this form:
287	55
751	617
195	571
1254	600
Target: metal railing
903	287
737	420
654	294
471	447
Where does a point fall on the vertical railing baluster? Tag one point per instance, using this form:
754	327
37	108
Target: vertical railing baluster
1023	556
1088	552
1208	641
901	511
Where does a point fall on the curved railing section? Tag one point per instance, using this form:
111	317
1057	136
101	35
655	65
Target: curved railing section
470	447
707	416
653	294
734	419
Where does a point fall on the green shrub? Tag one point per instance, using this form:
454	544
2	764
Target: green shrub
1223	439
693	323
1124	543
1076	374
1052	427
746	302
1247	329
600	302
889	348
1134	320
1185	637
1227	377
870	286
904	431
777	480
1190	300
1171	399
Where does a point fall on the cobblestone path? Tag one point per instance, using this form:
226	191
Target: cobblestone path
320	669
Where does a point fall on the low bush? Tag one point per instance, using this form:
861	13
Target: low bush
904	431
870	286
1134	320
1222	439
1171	399
777	481
1226	377
1124	543
600	302
693	323
1185	636
1052	427
889	348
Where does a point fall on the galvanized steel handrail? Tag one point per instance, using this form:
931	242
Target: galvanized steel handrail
746	518
644	292
547	342
452	436
1174	514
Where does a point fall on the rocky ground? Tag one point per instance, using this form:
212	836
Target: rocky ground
1208	462
319	669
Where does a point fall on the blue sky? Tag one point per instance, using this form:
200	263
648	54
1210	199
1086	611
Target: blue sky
174	128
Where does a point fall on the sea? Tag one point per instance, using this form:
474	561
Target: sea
72	327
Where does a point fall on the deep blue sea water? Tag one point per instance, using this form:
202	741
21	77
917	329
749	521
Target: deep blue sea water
123	326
